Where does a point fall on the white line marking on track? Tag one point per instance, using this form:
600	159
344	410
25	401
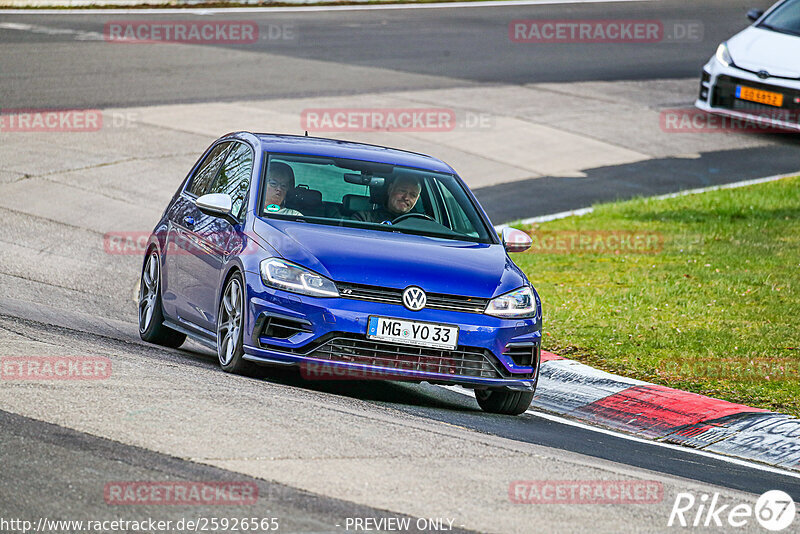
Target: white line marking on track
548	218
294	9
698	452
585	211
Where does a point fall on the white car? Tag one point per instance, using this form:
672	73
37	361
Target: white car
755	75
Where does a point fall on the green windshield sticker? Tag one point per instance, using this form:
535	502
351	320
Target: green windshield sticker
273	207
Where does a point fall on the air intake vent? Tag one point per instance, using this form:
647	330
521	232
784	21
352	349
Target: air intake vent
280	326
523	354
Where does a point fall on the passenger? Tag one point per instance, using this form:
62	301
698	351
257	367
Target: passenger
401	198
280	181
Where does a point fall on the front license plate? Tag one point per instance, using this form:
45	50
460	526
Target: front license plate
433	335
757	95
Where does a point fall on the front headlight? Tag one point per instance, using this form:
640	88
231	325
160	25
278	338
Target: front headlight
285	275
723	55
514	304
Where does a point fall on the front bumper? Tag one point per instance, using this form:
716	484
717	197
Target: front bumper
326	337
718	95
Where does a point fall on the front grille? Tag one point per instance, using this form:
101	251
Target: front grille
724	96
356	348
464	361
436	301
772	111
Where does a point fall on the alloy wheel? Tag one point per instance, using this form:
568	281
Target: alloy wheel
230	322
148	292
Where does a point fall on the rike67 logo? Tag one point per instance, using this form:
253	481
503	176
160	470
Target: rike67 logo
774	511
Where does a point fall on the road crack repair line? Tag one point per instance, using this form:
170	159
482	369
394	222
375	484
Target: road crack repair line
26	336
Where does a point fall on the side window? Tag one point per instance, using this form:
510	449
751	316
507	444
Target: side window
208	170
234	177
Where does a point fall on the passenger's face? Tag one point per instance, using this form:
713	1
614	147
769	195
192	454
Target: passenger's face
402	197
277	187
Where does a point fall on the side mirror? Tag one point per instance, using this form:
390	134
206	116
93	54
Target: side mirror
215	204
754	14
516	240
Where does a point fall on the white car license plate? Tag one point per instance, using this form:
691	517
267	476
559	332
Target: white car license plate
438	336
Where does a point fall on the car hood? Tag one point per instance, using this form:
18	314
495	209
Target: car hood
394	260
759	49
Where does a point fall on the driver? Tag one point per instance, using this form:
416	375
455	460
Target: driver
280	181
401	198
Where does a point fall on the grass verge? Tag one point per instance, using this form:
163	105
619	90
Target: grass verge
699	292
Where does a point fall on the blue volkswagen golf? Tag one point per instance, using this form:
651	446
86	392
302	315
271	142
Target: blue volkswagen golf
344	259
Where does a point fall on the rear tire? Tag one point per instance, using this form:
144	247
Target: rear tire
503	401
151	316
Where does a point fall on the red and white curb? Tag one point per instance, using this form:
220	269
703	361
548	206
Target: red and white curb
572	389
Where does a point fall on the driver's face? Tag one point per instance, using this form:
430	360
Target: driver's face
277	186
403	197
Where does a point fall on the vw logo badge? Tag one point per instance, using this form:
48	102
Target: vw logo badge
763	74
414	298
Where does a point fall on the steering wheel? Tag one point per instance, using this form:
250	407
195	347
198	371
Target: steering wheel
412	214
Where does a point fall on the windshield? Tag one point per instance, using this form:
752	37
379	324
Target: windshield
364	194
785	18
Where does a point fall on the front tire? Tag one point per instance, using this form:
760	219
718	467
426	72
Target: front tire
151	316
503	401
230	343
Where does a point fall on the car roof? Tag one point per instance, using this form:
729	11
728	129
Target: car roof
336	148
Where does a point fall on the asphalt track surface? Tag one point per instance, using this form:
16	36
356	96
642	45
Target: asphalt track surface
458	46
416	49
53	488
54	471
